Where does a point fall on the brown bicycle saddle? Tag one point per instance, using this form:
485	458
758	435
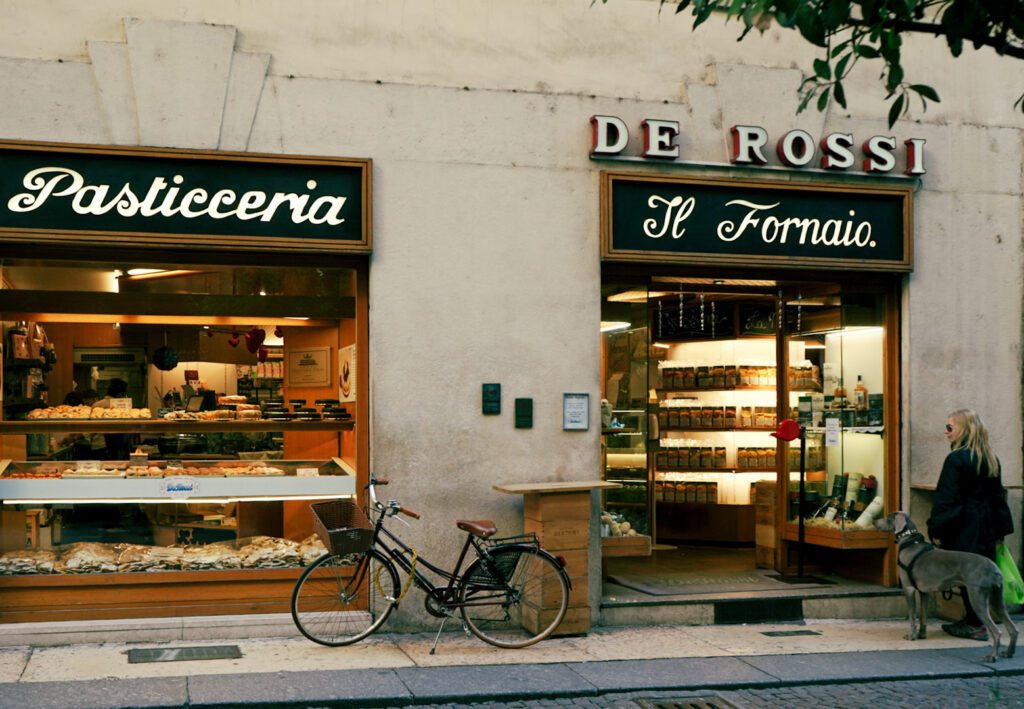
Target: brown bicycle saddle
483	528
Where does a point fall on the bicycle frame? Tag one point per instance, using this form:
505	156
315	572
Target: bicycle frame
399	552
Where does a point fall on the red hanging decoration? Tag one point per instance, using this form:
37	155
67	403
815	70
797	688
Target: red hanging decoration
278	331
254	339
261	353
234	339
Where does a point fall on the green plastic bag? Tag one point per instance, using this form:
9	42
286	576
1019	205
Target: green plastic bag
1013	585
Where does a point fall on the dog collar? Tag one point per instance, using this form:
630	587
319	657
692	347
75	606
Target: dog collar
908	537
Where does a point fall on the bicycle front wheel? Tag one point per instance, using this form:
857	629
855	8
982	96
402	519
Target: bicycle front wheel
340	600
515	599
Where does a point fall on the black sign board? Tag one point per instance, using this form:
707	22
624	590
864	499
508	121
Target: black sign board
61	193
755	224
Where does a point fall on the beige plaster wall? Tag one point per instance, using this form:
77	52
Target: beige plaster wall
485	264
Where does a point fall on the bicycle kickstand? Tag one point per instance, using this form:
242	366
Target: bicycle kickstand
433	648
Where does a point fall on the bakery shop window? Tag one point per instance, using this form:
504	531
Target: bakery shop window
173	418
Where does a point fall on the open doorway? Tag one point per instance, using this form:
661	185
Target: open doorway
696	373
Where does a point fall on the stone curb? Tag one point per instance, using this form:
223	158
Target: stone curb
411	686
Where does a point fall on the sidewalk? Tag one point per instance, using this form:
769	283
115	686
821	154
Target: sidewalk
397	669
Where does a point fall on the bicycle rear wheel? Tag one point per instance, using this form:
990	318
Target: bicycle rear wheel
518	599
340	600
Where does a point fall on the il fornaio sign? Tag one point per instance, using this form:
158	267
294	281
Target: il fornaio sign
174	198
754	223
749	146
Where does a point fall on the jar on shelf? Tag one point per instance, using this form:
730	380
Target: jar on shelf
719	456
718	376
731	376
685	413
730	417
703	378
707	457
688	379
707	417
718	417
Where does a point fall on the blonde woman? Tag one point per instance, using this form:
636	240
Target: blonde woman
970	511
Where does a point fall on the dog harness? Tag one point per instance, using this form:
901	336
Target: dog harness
907	538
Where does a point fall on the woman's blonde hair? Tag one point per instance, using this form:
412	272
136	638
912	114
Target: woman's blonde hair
970	433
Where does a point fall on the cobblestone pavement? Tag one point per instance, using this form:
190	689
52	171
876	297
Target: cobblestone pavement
968	693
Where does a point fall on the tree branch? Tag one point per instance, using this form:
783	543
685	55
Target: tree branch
1004	48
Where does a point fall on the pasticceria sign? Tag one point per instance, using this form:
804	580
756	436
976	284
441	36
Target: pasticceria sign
51	192
757	223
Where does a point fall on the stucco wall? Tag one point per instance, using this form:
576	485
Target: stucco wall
485	264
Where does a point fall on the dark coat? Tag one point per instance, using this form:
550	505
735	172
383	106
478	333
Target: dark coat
970	511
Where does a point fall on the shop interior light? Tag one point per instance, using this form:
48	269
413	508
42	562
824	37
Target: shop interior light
146	274
852	331
295	317
612	325
636	296
662	345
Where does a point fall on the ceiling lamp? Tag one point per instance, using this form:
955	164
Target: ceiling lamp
636	296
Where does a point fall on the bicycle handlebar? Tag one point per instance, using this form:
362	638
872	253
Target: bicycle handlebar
409	513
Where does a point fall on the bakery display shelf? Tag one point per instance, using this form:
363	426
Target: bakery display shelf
848	429
721	469
738	387
726	429
162	426
839	538
333	478
241	488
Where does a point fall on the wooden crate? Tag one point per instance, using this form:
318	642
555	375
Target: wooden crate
638	545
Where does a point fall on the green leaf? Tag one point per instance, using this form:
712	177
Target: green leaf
835	13
895	77
808	95
839	48
926	91
840	95
682	5
822	69
823	100
810	26
703	12
866	51
895	109
841	66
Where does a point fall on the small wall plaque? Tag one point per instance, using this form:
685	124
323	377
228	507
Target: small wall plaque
575	412
524	413
491	399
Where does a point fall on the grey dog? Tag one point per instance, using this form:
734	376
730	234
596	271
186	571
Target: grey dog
924	569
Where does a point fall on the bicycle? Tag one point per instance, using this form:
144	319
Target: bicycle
512	595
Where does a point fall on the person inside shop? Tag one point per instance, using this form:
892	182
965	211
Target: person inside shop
970	512
117	445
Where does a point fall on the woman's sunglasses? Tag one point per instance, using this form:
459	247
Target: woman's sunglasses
949	428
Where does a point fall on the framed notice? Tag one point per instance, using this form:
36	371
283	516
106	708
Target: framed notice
310	367
575	412
347	374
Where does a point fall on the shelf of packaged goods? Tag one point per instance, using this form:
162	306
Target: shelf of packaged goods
720	429
686	471
241	488
738	387
23	364
163	426
838	538
848	429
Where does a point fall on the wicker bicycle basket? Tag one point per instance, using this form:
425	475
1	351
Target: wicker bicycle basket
342	526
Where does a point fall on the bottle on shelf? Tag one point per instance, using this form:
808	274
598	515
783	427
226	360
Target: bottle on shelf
839	395
860	394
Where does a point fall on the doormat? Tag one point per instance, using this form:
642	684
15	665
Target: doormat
689	584
180	654
801	579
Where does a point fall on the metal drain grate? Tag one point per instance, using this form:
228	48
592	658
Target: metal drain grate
788	633
704	702
180	654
